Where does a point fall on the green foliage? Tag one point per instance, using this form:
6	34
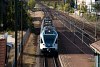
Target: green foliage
90	17
71	10
9	25
31	4
48	4
96	6
55	5
67	7
1	15
68	1
83	7
71	2
78	7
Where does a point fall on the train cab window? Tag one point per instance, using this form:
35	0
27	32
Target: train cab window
41	41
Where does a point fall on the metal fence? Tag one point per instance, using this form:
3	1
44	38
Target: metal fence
25	38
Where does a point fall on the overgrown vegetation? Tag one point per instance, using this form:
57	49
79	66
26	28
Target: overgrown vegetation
1	14
9	25
90	17
82	8
93	17
31	4
67	7
96	6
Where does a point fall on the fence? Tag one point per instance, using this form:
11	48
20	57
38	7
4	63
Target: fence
25	38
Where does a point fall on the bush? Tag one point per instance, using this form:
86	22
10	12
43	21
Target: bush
71	10
67	7
90	17
31	4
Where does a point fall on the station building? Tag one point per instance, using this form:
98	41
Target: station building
2	51
6	43
96	47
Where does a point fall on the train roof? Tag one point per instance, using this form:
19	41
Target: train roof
46	22
49	30
47	27
47	18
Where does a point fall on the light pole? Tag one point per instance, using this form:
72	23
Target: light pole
75	4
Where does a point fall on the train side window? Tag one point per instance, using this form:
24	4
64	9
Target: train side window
41	41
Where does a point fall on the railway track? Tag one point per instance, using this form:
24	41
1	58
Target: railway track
50	62
88	29
85	31
73	39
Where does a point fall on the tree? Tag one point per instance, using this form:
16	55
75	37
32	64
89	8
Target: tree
10	24
55	5
1	13
10	15
83	7
67	7
31	4
71	2
62	6
96	6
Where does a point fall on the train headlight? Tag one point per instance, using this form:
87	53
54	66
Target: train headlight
48	50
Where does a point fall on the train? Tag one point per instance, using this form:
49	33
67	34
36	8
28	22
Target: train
48	38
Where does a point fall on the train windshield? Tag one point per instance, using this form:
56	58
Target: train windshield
49	40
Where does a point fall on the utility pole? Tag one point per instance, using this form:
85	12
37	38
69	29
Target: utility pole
1	15
75	4
64	2
16	23
1	11
21	33
58	2
96	28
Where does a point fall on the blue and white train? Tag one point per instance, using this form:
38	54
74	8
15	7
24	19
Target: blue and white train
48	38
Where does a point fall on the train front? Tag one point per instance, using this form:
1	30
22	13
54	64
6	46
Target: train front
48	41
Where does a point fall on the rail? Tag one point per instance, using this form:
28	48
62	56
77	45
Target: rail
50	62
77	36
25	38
